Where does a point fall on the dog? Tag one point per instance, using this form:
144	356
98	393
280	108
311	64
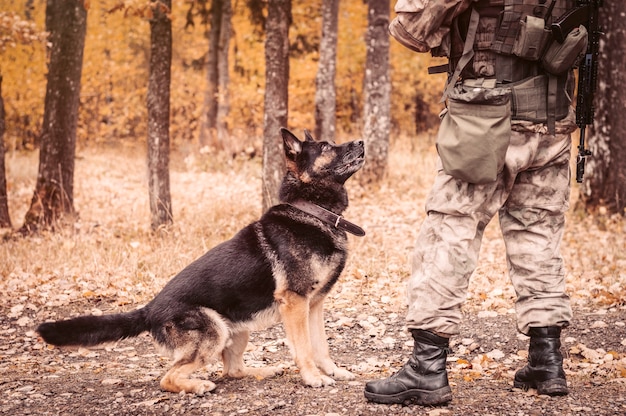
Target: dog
277	269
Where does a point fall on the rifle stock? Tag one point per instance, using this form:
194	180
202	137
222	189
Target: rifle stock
586	13
568	22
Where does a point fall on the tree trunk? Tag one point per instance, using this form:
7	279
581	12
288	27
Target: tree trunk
604	183
276	97
223	103
377	92
325	93
208	128
53	200
159	115
5	219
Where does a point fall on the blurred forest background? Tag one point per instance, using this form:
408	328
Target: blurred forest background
115	74
117	66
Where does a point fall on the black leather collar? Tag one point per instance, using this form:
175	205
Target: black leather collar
328	217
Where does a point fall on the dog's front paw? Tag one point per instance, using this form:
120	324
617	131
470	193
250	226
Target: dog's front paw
330	368
342	374
258	373
317	380
272	371
264	372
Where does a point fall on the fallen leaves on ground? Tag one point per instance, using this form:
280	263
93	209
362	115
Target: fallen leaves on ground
110	261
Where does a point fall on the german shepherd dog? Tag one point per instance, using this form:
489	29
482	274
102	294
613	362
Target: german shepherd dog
279	268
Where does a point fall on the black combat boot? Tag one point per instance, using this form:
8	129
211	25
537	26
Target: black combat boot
423	379
544	370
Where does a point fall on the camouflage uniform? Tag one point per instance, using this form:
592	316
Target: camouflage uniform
493	49
531	197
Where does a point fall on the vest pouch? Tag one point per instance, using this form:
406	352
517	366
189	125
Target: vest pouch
561	57
506	32
531	39
474	133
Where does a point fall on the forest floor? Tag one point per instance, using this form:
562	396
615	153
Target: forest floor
110	262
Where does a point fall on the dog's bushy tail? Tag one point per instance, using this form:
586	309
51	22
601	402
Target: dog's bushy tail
93	330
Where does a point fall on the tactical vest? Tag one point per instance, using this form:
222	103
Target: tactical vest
497	29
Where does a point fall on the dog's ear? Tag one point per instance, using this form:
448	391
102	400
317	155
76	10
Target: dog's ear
292	145
308	136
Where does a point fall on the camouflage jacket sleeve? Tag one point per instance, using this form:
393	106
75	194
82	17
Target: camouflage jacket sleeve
421	25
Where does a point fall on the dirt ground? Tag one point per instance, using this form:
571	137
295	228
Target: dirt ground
123	379
109	262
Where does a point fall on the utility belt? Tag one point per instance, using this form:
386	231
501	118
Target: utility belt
475	127
531	97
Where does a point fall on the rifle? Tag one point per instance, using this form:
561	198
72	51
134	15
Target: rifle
585	13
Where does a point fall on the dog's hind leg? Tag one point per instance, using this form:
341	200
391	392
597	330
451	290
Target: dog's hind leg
195	339
294	310
177	379
232	356
320	344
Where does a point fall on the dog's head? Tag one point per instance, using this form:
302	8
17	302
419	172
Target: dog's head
320	161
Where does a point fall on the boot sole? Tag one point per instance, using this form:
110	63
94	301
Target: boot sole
553	387
421	397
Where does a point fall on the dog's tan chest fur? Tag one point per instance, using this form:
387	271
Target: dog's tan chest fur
277	269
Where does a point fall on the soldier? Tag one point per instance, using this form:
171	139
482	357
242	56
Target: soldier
504	148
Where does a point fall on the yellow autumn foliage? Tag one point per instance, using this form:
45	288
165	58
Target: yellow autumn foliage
115	75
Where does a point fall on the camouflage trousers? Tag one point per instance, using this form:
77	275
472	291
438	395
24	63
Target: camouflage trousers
530	196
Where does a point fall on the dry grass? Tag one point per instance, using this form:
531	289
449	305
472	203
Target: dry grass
112	254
